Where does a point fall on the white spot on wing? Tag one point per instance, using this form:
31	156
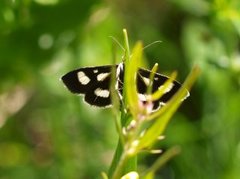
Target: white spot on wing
169	87
82	78
146	81
102	92
102	76
95	71
142	97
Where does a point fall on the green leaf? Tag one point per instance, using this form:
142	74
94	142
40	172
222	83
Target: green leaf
130	79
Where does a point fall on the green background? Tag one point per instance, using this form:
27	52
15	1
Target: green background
46	132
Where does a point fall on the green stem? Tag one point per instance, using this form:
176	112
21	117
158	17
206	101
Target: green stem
121	162
116	159
121	165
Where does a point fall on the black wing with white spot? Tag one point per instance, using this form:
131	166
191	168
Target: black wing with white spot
93	82
143	80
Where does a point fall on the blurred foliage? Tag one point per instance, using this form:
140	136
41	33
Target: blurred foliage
48	133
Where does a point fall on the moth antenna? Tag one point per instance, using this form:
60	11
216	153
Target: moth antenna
155	42
117	42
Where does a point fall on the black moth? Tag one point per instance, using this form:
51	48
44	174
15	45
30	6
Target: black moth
94	84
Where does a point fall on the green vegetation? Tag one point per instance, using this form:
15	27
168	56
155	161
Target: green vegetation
46	132
140	126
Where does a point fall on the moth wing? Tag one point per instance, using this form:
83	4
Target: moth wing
143	79
93	82
99	95
79	81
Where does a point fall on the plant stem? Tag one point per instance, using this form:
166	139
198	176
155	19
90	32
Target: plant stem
119	170
121	162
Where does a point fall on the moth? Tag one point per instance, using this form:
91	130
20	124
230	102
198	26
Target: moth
94	84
